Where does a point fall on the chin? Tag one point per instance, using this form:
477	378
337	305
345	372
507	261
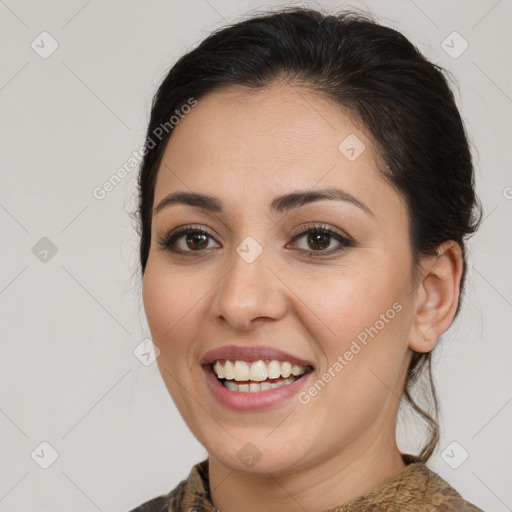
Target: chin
257	454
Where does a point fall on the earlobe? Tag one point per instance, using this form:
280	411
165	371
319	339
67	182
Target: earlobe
437	296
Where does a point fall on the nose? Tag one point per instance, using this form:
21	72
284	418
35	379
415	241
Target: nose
250	293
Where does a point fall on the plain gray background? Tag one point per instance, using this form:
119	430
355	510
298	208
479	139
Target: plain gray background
71	313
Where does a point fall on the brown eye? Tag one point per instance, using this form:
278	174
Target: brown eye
319	238
196	241
186	240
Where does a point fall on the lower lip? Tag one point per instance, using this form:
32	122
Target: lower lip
252	401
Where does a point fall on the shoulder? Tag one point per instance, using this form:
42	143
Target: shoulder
415	489
419	489
191	493
161	503
441	495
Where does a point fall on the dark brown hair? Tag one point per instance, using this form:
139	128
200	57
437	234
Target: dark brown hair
377	75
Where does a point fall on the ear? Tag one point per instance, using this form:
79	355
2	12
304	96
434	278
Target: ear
437	296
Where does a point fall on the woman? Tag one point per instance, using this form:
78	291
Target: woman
305	197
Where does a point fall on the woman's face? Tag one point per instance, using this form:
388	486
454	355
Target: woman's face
262	283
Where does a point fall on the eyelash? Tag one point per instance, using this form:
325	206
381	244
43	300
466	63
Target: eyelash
168	241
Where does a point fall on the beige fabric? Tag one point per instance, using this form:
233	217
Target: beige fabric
415	489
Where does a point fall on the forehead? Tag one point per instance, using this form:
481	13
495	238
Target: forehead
269	141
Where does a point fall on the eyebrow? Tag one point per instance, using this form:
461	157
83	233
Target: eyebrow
280	204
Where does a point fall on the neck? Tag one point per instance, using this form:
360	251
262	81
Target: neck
329	483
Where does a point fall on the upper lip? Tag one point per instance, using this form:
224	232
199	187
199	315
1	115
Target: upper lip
249	354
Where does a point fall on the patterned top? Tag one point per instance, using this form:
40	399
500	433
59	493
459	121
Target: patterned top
415	488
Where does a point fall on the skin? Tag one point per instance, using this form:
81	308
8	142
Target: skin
246	148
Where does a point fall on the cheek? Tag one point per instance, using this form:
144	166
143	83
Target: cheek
170	303
349	305
371	321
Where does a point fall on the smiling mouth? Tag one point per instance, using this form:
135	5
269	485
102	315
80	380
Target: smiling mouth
256	376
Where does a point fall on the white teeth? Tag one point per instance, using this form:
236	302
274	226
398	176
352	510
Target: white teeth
296	370
219	370
255	387
230	385
229	370
241	371
286	369
274	369
256	371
